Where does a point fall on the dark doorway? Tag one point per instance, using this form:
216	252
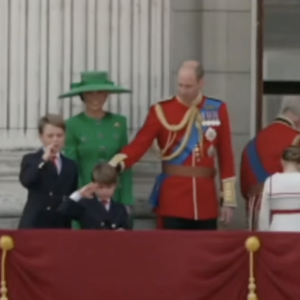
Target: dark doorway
278	35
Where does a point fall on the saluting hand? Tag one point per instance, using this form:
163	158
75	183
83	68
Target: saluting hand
88	190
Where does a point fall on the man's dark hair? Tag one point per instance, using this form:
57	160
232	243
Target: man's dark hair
104	173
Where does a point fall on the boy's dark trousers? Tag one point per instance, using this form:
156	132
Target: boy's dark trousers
187	224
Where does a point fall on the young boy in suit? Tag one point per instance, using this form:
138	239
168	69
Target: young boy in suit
93	205
48	175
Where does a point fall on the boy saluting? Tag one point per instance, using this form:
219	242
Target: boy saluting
47	175
93	205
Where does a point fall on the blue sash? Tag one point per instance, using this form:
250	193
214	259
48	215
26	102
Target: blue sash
209	107
255	163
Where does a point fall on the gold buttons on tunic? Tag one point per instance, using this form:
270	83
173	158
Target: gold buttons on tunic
197	153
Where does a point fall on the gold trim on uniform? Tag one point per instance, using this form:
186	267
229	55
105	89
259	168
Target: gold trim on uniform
229	194
191	117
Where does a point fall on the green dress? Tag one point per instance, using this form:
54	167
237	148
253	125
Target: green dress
89	141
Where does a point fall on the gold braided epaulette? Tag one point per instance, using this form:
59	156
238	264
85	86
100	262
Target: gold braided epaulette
191	117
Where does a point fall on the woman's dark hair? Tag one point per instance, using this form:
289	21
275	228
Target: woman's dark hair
291	154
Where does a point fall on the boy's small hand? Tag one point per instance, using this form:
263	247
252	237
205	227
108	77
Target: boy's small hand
88	190
49	153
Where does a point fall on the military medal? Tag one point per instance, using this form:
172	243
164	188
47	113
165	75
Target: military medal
209	118
211	151
214	118
204	122
210	134
218	122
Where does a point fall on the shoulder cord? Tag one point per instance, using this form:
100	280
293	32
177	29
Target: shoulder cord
191	117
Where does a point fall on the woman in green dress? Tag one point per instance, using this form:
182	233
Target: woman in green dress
96	135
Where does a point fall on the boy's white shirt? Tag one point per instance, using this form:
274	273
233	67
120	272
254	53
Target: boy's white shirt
77	197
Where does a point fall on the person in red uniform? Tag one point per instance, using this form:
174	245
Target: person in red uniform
191	131
261	157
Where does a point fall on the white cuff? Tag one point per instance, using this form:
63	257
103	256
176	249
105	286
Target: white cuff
75	196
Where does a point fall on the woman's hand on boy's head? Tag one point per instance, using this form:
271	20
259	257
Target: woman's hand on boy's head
88	190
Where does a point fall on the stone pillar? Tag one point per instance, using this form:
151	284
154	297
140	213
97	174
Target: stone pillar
186	34
226	44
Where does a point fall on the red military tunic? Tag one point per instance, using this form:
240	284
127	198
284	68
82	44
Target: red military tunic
270	144
186	197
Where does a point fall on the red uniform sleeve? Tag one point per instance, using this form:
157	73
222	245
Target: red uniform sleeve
225	146
143	140
226	158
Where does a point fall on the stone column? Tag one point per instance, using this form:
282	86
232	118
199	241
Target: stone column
226	55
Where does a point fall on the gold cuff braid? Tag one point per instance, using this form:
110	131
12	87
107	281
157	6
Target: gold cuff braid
118	160
229	195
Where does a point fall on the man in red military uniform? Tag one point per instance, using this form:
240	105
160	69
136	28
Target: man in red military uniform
261	157
191	131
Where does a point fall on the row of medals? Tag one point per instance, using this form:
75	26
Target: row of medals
209	119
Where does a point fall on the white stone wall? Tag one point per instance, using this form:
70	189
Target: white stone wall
46	44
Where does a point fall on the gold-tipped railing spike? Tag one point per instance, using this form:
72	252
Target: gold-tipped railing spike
252	244
6	244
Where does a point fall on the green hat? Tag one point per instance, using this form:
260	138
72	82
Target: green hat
94	82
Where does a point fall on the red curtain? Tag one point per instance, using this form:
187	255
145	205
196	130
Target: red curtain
157	265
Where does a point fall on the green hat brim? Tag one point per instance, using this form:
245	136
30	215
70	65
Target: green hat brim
112	89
